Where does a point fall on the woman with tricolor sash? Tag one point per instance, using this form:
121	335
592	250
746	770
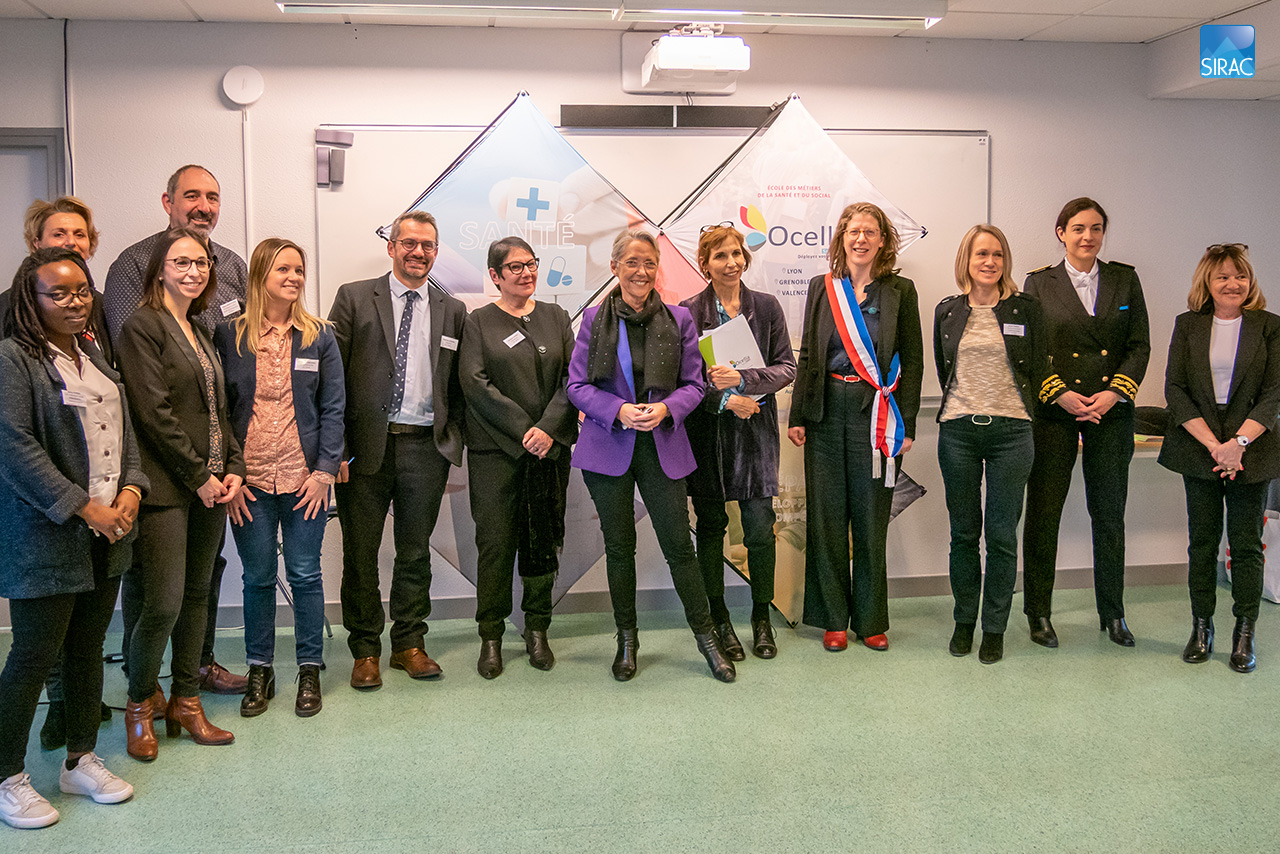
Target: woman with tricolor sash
989	347
853	410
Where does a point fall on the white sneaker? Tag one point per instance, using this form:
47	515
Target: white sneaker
90	777
22	806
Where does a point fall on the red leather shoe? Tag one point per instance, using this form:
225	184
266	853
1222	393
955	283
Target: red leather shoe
877	642
835	641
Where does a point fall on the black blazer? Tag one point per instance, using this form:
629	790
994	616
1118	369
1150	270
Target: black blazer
511	389
1255	393
899	332
168	404
319	396
362	322
1022	324
1087	354
44	480
97	318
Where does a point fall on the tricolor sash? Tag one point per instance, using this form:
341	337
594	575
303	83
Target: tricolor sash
888	430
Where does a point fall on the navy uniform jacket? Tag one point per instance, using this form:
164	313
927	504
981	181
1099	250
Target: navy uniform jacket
1089	354
1022	323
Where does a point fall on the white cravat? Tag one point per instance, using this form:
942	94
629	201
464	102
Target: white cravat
1086	285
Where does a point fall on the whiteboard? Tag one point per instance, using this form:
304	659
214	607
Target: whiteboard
939	178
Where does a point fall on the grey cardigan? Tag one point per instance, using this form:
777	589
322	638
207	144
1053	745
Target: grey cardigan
44	467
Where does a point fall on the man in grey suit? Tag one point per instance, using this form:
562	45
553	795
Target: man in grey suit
398	336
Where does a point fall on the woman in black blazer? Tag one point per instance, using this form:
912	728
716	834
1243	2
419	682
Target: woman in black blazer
286	396
179	405
70	484
1223	390
513	364
1099	344
734	435
848	481
988	345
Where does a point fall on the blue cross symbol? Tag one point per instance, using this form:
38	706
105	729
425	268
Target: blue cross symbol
533	204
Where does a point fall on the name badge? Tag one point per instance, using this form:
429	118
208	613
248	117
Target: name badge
301	364
1015	329
513	339
448	343
230	307
74	398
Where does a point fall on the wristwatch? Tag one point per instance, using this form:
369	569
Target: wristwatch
1242	441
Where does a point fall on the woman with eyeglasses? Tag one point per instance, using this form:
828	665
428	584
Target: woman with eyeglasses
636	374
513	364
285	396
179	405
853	410
734	434
1099	343
70	485
988	346
1222	385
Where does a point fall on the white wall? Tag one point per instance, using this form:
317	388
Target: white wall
1065	120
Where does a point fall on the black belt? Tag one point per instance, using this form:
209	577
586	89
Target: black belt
408	429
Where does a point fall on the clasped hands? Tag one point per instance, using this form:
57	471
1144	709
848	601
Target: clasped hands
645	417
1090	408
113	521
724	379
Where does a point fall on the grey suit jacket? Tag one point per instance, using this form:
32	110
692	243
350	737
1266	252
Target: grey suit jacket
362	322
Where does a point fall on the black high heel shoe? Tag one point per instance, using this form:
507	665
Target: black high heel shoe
261	688
721	667
624	663
1117	630
1242	658
1042	632
1200	646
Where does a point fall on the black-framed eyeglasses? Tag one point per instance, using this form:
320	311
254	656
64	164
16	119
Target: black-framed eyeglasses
1226	247
408	244
182	265
515	268
62	299
728	223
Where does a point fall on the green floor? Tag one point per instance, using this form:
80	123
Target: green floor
1087	748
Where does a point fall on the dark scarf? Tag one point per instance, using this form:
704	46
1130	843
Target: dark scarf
662	350
543	503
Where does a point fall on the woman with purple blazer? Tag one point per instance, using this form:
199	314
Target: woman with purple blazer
636	375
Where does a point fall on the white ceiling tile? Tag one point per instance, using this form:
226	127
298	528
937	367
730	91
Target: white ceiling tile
251	10
19	9
1097	29
117	10
987	25
1205	10
1043	7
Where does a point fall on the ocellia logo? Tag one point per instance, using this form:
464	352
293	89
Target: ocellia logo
759	232
754	221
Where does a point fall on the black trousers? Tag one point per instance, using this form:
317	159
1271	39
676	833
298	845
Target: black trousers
1108	448
413	475
1245	504
174	554
757	535
843	498
497	486
73	624
668	506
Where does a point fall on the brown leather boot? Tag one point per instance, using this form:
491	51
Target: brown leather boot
158	704
187	713
139	731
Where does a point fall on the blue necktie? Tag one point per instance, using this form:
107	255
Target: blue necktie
402	352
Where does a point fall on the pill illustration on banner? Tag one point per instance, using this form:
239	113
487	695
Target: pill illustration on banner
556	275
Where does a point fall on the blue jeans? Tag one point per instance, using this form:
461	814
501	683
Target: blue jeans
1003	447
256	542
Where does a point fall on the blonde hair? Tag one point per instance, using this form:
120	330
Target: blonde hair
885	258
39	212
249	324
1236	253
1006	286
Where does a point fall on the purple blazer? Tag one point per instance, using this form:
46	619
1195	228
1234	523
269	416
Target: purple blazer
604	445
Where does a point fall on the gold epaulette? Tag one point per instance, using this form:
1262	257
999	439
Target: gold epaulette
1125	386
1040	269
1051	387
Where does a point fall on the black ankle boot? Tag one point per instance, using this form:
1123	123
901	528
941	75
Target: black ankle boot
1242	659
540	655
991	649
1117	629
624	663
721	667
1042	632
308	702
490	663
54	732
261	688
961	640
1200	646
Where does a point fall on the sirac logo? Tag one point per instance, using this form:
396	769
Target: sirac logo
754	220
1226	51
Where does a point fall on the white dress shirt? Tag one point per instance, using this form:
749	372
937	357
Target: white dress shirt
96	400
1086	285
1223	343
416	408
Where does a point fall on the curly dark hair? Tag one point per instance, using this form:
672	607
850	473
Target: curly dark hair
22	321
